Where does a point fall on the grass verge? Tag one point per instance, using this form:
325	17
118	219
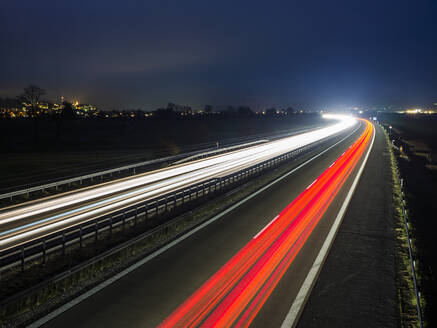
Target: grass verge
404	280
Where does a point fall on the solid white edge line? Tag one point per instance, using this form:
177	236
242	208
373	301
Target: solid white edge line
82	297
300	300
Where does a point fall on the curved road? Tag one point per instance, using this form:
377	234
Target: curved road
149	294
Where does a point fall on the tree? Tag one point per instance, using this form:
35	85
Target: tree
244	111
271	111
32	96
208	109
67	113
291	110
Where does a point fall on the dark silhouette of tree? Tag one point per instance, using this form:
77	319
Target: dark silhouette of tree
244	111
165	113
291	110
271	111
171	106
67	113
32	96
208	109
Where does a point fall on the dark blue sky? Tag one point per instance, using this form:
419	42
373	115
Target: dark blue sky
259	53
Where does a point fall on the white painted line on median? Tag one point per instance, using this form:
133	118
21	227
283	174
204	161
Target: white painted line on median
297	306
135	266
311	184
263	229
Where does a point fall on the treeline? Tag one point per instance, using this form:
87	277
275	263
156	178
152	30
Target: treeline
32	104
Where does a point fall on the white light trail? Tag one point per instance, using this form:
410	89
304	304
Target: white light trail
37	219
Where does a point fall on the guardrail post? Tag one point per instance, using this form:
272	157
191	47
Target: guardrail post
43	250
165	205
22	258
146	210
136	215
63	243
80	235
110	225
124	219
96	229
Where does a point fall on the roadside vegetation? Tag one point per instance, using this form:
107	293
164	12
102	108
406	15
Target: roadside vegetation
415	140
404	282
417	170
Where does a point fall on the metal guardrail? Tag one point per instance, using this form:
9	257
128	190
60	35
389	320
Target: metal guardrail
100	174
410	251
407	231
40	247
220	151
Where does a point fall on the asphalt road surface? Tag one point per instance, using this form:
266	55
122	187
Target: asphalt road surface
356	287
148	295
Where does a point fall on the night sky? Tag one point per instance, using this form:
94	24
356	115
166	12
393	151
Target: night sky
257	53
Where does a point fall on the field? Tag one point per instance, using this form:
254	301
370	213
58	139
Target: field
42	150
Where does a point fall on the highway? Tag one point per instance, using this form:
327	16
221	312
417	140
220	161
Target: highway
245	268
23	223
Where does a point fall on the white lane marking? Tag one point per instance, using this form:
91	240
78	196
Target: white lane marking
270	223
297	306
311	184
135	266
331	165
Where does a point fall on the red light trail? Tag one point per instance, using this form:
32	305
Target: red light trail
235	294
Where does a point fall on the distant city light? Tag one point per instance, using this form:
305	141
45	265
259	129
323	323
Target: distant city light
413	111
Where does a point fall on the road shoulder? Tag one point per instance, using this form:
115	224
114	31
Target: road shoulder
356	286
